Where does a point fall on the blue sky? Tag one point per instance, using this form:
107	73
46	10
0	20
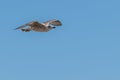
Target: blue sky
86	47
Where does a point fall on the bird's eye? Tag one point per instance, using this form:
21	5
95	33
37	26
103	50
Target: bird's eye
49	26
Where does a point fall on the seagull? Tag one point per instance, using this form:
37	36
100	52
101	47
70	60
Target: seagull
40	27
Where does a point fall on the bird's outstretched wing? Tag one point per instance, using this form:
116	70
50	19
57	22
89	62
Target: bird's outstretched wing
20	27
53	22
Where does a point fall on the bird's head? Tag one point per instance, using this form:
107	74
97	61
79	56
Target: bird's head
51	27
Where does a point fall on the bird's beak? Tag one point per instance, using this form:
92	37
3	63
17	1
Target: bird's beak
53	27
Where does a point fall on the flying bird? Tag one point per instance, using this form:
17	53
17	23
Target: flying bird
40	27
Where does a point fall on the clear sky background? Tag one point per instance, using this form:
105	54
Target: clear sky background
86	47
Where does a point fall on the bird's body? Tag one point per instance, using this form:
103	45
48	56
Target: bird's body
40	27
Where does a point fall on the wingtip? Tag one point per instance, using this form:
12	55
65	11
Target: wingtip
15	29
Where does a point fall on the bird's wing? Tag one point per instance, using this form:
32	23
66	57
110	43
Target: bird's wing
36	24
20	27
53	22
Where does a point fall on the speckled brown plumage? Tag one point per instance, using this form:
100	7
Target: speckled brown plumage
40	27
